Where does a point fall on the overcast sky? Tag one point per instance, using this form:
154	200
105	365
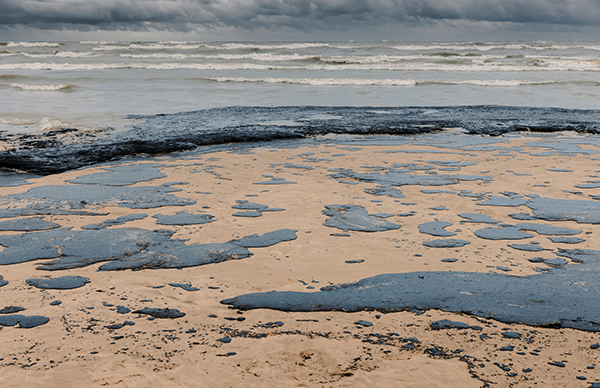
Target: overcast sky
300	20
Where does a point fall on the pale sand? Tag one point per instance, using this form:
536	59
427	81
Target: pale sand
328	350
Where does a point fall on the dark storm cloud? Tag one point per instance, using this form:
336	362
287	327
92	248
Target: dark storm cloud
295	14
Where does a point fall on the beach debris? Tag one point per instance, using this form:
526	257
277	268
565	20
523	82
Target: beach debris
160	313
185	286
448	324
116	326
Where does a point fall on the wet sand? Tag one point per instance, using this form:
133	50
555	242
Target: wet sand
215	344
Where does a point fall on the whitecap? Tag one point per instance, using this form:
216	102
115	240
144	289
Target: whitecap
318	81
42	87
33	44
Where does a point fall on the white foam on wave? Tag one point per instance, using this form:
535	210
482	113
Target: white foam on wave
49	124
33	44
489	82
273	46
154	46
530	65
380	82
24	124
42	87
62	54
253	56
317	81
13	121
535	46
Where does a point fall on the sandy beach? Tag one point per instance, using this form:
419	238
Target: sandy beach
341	209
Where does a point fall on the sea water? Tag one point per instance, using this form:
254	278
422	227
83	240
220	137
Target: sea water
54	85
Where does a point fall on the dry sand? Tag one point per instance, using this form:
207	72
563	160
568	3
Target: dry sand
312	349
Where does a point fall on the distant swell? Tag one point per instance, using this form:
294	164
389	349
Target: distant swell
59	150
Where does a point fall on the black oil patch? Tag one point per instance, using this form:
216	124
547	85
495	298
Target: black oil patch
436	228
550	209
503	201
118	221
275	181
11	309
160	313
267	239
566	240
563	296
515	232
177	255
446	243
355	217
60	283
25	322
252	209
183	218
245	205
27	225
526	247
394	178
478	218
124	175
45	153
129	248
69	198
77	248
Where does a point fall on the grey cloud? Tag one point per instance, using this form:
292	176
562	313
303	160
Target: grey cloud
302	15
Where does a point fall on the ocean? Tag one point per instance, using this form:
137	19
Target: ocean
94	90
